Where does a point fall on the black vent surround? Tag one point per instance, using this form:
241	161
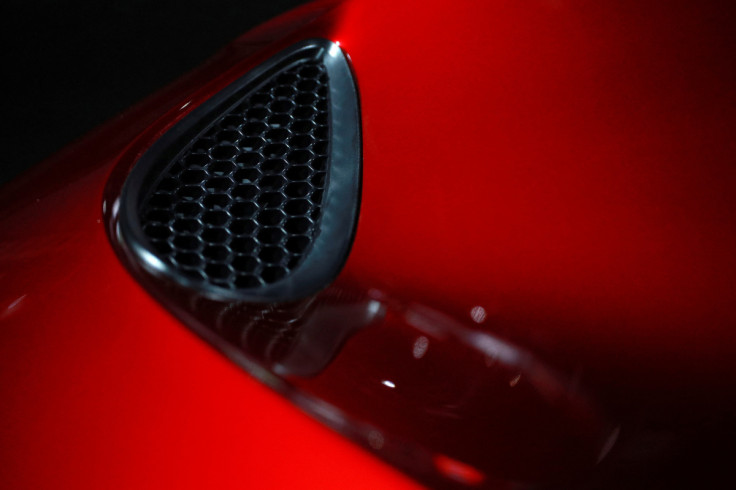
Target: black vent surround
255	194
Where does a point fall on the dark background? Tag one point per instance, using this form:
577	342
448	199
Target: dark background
72	65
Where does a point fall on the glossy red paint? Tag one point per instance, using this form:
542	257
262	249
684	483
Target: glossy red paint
557	175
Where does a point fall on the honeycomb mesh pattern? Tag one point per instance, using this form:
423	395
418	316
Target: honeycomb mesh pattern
240	207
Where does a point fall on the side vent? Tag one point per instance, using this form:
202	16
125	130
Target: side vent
255	194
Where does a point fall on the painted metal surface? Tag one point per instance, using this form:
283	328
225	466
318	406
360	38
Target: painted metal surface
541	290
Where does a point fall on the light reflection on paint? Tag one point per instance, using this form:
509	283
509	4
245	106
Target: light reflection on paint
12	307
374	308
608	445
420	347
375	439
458	471
478	314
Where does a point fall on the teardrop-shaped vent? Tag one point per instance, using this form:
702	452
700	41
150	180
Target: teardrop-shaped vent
254	195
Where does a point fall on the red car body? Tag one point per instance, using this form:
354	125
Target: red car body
552	182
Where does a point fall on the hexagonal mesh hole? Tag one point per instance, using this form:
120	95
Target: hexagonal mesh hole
240	207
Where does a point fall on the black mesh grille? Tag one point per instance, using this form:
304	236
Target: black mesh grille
254	194
240	206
